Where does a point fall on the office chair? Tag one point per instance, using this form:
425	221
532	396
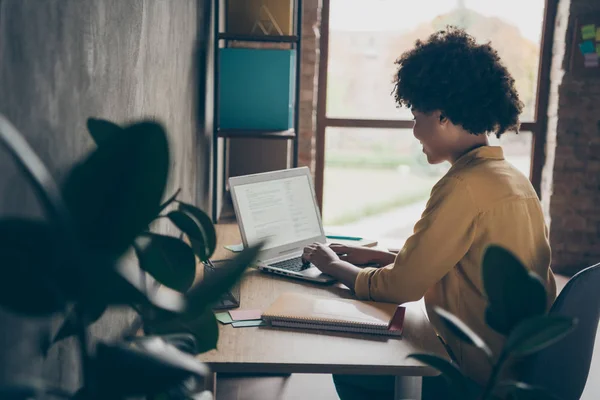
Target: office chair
563	367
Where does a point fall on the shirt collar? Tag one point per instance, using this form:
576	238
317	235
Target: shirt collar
482	152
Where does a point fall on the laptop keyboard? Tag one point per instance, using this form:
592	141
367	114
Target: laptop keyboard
293	264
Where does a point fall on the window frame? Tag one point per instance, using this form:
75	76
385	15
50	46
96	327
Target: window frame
538	126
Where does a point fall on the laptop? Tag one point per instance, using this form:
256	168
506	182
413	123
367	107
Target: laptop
280	208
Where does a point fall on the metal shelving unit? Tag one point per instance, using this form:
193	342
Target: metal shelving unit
222	39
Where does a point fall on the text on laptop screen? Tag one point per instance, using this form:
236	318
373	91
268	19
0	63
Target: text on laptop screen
280	211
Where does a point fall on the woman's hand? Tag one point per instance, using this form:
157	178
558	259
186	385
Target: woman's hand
326	259
321	256
359	255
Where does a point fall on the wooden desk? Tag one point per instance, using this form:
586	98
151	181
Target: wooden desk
270	350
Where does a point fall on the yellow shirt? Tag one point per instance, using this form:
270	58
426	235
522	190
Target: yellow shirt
482	200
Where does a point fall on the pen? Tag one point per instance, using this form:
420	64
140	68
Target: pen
344	237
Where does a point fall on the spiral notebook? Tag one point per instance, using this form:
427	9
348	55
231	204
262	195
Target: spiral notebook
302	311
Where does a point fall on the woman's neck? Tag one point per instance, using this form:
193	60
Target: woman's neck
473	142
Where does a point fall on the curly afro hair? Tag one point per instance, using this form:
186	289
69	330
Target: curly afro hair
464	80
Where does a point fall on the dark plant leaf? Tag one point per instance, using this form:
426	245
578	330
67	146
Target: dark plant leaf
160	396
22	388
462	331
537	333
522	391
122	285
27	256
189	226
169	201
183	391
102	130
182	341
69	328
116	191
203	327
204	395
81	394
455	379
128	288
124	369
38	176
169	260
210	289
514	294
205	224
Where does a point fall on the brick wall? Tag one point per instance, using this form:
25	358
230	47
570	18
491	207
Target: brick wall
571	177
308	82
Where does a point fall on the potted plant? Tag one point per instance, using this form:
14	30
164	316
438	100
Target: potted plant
76	262
517	304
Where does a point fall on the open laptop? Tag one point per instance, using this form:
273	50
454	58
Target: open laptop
280	208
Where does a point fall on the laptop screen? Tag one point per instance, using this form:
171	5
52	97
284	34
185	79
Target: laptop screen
280	211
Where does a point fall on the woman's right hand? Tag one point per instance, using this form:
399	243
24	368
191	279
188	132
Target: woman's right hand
359	255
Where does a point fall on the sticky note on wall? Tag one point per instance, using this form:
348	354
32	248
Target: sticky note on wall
588	31
598	34
587	47
598	49
590	60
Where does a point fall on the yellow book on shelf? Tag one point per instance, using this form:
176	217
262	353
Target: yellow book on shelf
260	17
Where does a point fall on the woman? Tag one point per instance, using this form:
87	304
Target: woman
459	92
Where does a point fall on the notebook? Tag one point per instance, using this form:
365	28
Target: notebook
359	242
298	310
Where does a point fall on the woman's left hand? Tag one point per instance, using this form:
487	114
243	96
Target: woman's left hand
321	256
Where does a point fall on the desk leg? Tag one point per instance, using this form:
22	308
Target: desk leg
210	384
408	388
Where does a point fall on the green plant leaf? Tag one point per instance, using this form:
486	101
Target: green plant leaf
116	191
514	294
38	176
123	285
169	260
203	327
29	387
27	256
102	130
456	380
188	225
204	395
462	331
169	201
128	288
537	333
522	391
68	327
212	286
182	341
123	369
205	224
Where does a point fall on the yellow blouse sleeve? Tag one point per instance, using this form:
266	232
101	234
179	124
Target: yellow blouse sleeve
441	238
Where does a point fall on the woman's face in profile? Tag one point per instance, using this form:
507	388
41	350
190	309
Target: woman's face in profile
428	129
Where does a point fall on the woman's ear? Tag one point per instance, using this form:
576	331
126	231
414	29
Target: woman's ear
443	119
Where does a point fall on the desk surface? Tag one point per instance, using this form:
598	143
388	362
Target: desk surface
271	350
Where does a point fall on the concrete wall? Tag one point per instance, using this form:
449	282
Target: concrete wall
62	61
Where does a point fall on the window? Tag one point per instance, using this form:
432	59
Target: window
359	82
372	178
